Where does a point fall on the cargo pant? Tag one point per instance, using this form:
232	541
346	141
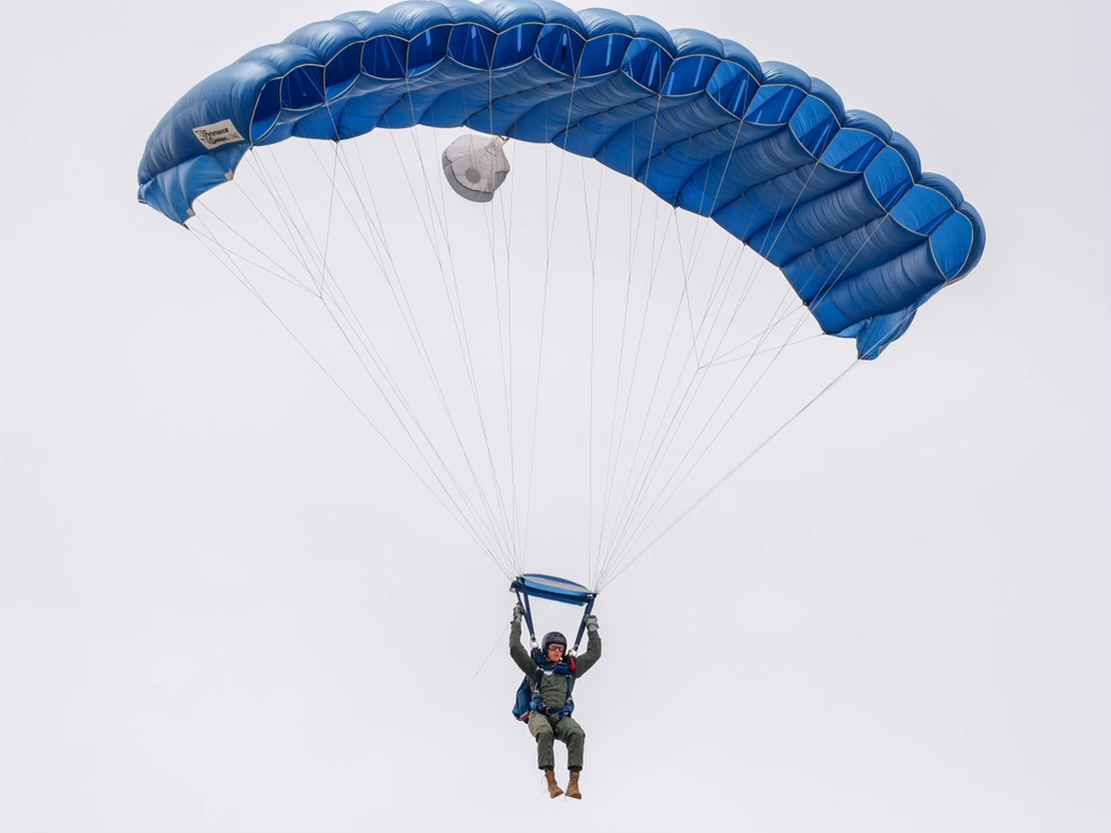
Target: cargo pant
546	730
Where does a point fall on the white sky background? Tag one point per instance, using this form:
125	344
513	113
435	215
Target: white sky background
225	606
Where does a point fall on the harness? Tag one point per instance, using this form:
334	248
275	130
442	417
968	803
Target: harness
536	701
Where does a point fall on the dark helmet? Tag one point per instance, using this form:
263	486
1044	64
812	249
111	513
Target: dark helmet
553	638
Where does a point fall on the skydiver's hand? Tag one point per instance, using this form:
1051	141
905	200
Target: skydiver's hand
517	611
591	624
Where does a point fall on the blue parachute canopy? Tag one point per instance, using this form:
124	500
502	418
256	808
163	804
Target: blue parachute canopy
553	588
833	197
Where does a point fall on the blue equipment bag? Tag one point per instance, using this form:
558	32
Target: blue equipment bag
521	708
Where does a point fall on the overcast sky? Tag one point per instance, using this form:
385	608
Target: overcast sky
224	605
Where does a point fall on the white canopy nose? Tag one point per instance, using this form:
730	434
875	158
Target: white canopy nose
475	166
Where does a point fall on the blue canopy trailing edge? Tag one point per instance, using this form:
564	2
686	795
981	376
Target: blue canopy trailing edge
833	197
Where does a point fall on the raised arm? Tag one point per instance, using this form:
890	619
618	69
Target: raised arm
516	649
593	647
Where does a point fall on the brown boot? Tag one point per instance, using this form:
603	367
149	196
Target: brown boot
573	786
553	788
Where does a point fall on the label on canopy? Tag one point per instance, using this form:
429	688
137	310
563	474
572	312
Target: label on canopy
217	134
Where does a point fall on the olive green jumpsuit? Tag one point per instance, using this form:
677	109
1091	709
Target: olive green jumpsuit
553	691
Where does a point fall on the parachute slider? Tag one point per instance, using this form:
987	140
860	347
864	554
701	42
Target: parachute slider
553	588
475	167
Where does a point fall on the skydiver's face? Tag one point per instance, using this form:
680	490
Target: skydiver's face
555	653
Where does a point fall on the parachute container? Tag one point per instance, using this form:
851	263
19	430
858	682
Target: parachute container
475	166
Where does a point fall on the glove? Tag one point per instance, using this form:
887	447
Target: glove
517	611
591	624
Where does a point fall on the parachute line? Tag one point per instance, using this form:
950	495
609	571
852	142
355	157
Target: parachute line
415	334
453	510
626	518
395	388
548	240
608	579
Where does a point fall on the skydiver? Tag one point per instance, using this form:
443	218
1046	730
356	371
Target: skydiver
552	679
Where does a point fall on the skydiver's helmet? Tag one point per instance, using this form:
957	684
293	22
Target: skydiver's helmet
553	638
